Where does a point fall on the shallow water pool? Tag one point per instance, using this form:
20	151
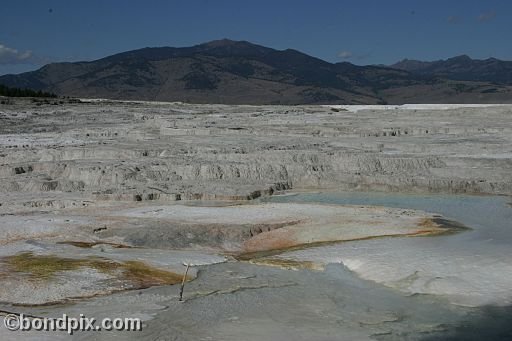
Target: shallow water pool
471	268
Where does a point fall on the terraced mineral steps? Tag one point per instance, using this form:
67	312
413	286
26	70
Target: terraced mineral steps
106	173
132	246
100	199
138	151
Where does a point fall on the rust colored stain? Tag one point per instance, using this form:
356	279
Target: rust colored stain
275	239
286	239
428	223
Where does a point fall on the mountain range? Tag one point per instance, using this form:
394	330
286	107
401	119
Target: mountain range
462	68
239	72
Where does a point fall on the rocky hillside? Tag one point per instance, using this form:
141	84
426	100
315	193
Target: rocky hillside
238	72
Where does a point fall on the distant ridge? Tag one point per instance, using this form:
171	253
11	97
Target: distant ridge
461	68
239	72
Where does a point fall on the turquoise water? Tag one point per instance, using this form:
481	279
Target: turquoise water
490	217
472	268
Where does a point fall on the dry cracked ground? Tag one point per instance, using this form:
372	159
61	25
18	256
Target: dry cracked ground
101	199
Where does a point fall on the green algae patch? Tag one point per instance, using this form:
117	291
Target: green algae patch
42	266
145	276
287	264
88	245
45	267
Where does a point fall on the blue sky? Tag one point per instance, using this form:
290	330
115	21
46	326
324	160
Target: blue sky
33	33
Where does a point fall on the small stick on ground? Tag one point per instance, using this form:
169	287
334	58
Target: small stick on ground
183	283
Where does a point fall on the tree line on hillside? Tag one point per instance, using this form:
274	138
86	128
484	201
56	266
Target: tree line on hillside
17	92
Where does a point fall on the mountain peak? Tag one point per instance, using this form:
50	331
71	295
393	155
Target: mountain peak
220	43
461	58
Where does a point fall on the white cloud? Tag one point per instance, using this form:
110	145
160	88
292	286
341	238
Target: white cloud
487	16
9	55
453	19
350	55
345	54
